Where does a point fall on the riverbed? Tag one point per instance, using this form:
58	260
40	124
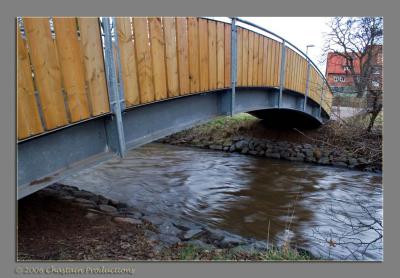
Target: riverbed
318	208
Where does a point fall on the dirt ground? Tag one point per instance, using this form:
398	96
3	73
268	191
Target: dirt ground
51	229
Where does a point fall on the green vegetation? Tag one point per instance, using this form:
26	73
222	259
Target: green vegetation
189	252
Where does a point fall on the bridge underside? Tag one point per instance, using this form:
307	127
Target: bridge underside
45	159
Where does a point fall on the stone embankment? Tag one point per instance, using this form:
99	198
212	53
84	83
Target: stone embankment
160	231
292	151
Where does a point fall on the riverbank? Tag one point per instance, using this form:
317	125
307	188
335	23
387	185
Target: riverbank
64	223
335	143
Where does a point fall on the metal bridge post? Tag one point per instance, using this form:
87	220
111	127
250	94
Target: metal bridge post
233	64
320	102
282	73
115	130
307	85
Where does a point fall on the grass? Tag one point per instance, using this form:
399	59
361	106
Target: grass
191	252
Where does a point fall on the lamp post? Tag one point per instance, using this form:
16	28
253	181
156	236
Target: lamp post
310	45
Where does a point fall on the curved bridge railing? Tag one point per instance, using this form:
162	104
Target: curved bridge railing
62	75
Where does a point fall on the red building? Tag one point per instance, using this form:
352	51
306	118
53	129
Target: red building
340	77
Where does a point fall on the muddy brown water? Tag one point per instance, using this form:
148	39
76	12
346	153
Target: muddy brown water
318	208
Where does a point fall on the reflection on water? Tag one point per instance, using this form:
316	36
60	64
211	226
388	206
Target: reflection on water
309	204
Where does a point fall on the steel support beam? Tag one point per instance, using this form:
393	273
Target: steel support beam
233	64
282	73
115	130
320	102
307	84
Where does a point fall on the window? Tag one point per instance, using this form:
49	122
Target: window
338	78
346	68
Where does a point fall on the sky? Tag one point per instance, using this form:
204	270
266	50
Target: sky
301	31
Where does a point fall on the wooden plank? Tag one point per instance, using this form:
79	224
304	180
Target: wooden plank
255	60
265	62
212	53
72	68
278	55
239	56
47	71
203	52
260	59
194	63
220	55
158	57
171	56
245	57
28	119
183	54
227	78
144	60
128	61
251	52
270	65
94	64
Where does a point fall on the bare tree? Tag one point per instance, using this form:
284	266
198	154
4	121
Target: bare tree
359	40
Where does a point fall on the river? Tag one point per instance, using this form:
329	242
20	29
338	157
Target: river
332	212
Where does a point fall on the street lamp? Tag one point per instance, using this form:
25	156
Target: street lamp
310	45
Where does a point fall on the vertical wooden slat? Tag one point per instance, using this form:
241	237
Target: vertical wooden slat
94	64
28	118
227	78
203	52
220	55
255	60
278	54
72	68
143	58
183	54
194	74
260	60
171	56
212	53
158	57
128	61
239	56
271	65
47	71
265	62
251	59
245	57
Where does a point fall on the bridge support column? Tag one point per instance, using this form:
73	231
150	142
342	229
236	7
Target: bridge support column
320	102
307	85
282	73
114	126
233	65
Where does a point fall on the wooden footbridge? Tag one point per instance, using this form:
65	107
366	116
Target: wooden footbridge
90	88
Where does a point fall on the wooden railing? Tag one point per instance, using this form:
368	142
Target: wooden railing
61	74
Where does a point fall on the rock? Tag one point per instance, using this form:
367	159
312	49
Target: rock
215	235
201	244
241	144
156	220
127	220
339	163
85	195
261	153
107	208
253	152
232	148
225	149
151	235
168	228
245	150
324	160
231	241
101	200
192	234
168	239
84	201
67	198
352	162
362	161
317	153
216	147
92	216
